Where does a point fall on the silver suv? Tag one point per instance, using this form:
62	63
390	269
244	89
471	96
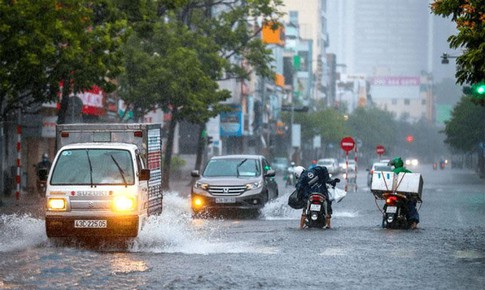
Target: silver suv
234	182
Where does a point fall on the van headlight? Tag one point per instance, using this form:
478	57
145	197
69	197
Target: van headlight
254	185
123	203
56	204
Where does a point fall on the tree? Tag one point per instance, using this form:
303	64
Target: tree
469	16
177	57
45	42
466	128
374	127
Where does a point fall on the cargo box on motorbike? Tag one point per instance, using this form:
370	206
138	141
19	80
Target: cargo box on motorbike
382	181
410	184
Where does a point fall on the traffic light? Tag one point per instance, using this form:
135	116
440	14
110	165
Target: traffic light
209	140
478	90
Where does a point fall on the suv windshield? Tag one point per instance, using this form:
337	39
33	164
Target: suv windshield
93	166
239	167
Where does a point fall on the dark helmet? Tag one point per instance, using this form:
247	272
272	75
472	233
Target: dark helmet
45	156
396	162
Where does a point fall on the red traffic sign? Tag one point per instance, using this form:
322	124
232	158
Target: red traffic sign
347	144
380	149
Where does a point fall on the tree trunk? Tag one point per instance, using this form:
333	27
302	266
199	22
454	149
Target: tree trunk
168	152
62	115
201	147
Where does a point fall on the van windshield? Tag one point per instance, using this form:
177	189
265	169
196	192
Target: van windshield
93	167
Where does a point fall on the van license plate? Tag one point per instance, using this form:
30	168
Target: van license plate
391	209
91	224
225	200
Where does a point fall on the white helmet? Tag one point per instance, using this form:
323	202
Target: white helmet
298	171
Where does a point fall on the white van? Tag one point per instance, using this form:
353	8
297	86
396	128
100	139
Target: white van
107	185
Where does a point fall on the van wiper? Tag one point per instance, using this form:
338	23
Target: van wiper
122	173
239	165
90	168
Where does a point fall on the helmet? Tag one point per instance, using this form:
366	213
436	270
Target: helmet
292	163
298	171
396	162
45	156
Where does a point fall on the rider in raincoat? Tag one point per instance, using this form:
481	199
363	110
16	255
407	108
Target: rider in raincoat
413	215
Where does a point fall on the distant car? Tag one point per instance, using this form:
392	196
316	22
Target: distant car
243	182
411	162
331	164
280	164
377	166
343	165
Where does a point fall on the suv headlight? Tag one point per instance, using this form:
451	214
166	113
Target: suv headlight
201	185
254	185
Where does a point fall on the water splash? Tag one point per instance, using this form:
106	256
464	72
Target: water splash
278	209
20	232
175	231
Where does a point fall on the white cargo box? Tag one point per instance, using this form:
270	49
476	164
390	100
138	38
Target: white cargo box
382	181
410	184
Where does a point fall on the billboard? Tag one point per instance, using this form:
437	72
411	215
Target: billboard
232	122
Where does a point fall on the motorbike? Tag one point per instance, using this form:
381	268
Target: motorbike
316	210
42	173
442	165
395	211
290	177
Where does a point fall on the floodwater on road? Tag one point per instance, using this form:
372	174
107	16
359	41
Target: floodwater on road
175	251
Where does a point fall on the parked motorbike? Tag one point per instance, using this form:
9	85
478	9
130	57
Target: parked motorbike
395	211
316	210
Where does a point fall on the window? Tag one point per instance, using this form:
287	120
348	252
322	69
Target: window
407	101
93	166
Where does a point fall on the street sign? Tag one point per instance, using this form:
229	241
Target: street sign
380	149
347	144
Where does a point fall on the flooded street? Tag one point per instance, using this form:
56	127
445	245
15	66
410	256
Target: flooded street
175	251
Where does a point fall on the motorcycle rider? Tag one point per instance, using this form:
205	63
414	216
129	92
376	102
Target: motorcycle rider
413	215
43	168
290	174
314	180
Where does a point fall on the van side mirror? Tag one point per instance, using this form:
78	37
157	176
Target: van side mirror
144	174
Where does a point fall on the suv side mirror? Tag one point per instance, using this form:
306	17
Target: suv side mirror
144	174
195	173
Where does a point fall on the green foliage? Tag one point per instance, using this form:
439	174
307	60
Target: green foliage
327	123
373	126
44	42
177	163
466	127
469	16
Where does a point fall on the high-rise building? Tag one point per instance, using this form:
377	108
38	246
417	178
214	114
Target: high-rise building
393	37
312	23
